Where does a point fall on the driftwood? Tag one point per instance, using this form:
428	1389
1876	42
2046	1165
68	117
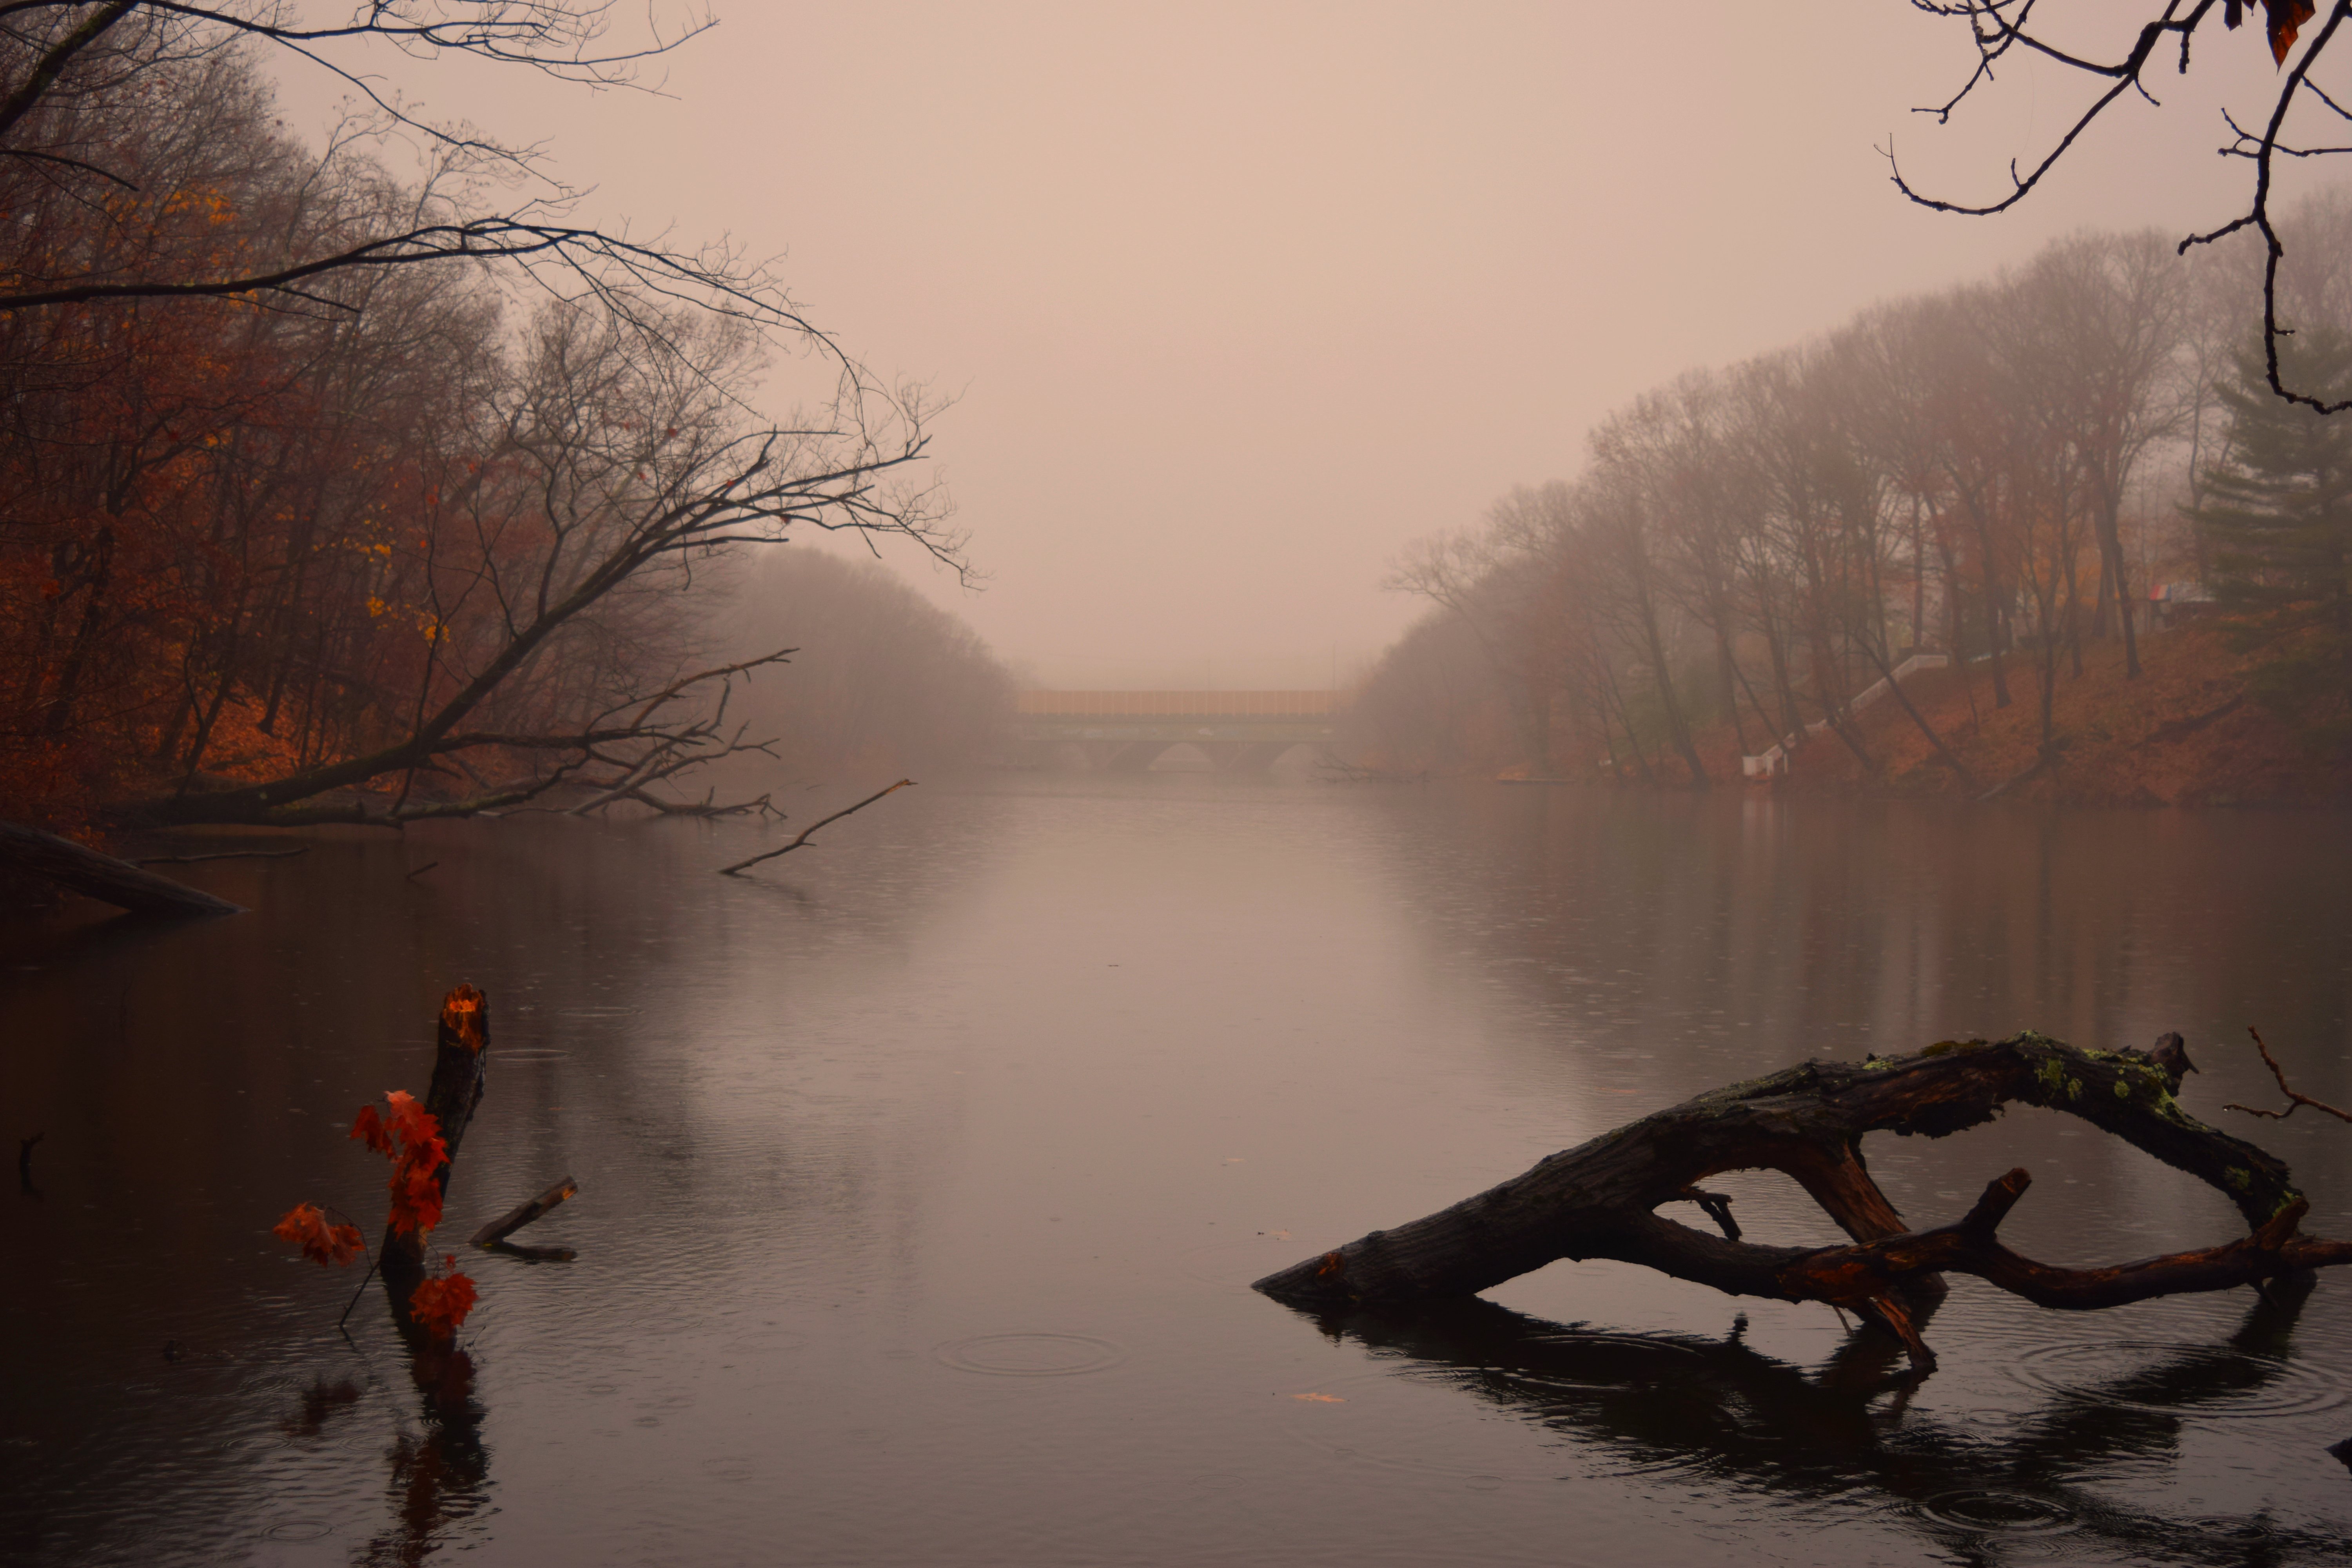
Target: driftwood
514	1219
459	1076
1598	1200
81	870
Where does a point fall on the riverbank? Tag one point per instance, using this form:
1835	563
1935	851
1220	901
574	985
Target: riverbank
2188	732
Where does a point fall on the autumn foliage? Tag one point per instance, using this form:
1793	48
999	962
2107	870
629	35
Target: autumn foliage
411	1140
306	1227
409	1136
442	1299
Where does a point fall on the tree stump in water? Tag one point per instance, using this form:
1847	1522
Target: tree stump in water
1598	1200
459	1076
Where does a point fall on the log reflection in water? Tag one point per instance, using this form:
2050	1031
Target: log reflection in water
1809	1438
440	1473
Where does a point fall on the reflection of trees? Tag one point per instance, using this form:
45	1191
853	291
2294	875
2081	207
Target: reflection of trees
1795	1438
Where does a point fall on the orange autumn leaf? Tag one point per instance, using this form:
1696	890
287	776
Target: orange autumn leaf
2281	20
416	1126
369	1127
415	1196
441	1302
2287	18
307	1228
422	1152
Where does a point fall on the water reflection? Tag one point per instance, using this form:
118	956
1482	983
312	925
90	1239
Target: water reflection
915	1174
441	1471
1846	1435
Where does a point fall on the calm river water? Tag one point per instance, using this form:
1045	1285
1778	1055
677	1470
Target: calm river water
922	1174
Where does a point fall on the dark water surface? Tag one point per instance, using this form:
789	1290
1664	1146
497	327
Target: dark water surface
922	1175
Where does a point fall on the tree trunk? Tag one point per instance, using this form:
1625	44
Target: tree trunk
459	1076
84	871
1596	1200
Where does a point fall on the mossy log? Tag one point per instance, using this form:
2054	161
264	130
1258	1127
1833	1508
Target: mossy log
1598	1200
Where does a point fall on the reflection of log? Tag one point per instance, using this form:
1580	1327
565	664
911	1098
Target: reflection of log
1596	1201
81	870
457	1082
1762	1430
524	1214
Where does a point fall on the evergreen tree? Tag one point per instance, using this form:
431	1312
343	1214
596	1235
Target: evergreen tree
2278	514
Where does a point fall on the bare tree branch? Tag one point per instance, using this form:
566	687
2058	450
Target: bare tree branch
2298	1099
811	827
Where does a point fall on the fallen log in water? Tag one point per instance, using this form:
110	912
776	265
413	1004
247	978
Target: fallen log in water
1598	1200
79	868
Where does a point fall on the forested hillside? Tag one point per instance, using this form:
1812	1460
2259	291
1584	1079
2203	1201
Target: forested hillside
2027	476
329	493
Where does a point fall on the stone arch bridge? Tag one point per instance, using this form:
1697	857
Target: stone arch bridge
1126	731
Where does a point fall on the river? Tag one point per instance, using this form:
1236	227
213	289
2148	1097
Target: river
923	1173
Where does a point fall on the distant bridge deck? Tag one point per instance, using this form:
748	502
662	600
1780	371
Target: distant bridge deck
1128	730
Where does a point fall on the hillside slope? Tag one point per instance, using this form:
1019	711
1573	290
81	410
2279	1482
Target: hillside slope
2187	733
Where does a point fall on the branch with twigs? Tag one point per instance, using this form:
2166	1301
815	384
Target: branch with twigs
2296	1096
1999	26
811	827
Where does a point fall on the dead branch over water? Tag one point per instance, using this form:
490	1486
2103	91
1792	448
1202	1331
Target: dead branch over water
1598	1200
811	827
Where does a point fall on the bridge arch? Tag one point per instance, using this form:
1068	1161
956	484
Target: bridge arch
1127	731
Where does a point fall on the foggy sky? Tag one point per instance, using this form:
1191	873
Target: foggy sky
1233	300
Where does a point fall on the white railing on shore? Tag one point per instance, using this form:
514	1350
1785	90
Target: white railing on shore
1776	761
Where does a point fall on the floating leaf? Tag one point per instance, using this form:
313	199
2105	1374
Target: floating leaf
1321	1398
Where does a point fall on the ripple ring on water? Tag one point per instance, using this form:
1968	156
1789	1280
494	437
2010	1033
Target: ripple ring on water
1029	1355
300	1529
1998	1513
2238	1386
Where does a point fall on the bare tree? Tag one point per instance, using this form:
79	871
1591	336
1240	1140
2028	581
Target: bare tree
617	465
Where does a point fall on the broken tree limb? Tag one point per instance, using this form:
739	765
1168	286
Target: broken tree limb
1598	1200
459	1075
524	1214
811	827
81	870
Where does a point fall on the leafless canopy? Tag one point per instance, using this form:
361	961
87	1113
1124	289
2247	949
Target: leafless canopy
67	52
2003	27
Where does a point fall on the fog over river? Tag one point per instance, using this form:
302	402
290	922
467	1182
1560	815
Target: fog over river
923	1173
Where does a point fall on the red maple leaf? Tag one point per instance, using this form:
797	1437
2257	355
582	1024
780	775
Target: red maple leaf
321	1243
415	1196
369	1127
413	1123
441	1301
